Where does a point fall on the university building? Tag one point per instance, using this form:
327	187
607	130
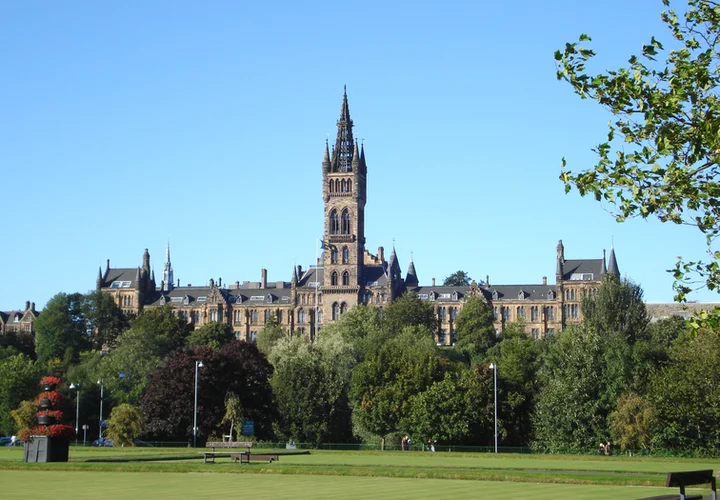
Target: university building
348	274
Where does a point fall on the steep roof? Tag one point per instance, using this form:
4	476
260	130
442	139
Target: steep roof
583	266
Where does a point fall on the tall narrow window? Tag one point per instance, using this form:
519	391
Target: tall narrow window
350	185
334	278
331	186
346	278
534	313
334	223
343	308
335	311
301	316
333	255
345	255
345	222
520	312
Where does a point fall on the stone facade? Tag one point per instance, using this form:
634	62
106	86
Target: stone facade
347	274
20	321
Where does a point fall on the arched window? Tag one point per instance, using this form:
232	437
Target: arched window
345	255
266	316
337	185
319	317
334	278
278	316
349	186
520	312
333	255
346	278
331	186
335	311
343	308
345	222
334	223
301	316
343	186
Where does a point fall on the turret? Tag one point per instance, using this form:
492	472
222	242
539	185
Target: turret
560	260
613	269
411	279
99	281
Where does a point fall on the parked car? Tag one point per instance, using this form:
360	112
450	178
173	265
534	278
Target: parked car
103	442
5	440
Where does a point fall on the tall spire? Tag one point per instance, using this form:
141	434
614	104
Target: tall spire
613	269
411	278
343	152
560	260
99	281
326	158
168	270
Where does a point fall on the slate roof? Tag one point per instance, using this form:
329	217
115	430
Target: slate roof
594	266
121	274
532	292
311	276
375	274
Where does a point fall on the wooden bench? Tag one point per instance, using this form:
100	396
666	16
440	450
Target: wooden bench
234	455
247	456
690	478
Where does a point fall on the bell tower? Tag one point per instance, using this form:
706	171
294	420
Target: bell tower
344	176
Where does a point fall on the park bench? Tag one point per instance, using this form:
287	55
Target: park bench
690	478
234	455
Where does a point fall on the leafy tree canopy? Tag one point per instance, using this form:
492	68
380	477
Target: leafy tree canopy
660	157
162	323
269	336
125	425
408	310
475	330
212	334
458	278
61	326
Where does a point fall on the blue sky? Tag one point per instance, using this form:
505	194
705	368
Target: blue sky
128	124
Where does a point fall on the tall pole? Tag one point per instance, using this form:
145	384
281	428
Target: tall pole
494	369
76	387
102	394
198	364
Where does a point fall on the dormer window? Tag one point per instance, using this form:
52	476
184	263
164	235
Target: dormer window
495	295
455	296
521	295
268	299
551	295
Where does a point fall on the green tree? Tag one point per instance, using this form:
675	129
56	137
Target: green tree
686	396
361	327
664	161
24	416
632	422
270	335
458	278
104	319
20	376
383	384
475	330
408	310
62	326
162	323
212	334
125	425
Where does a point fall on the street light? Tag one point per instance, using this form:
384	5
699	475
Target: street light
198	364
493	367
102	394
76	387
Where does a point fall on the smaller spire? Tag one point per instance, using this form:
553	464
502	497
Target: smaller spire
603	271
294	275
411	278
560	259
613	269
356	158
99	281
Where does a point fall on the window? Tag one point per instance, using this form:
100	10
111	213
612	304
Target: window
253	316
345	255
453	313
550	331
495	313
334	278
303	299
253	336
335	311
452	336
551	295
570	294
349	186
520	312
505	313
334	223
319	316
266	316
343	308
495	295
550	313
534	313
214	315
333	255
278	316
346	278
196	317
343	186
237	316
536	333
345	222
301	316
571	311
332	186
441	337
442	313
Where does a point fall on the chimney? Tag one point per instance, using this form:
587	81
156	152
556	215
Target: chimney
280	284
32	306
487	280
237	284
27	305
178	282
544	280
299	268
381	254
433	282
212	282
220	282
263	278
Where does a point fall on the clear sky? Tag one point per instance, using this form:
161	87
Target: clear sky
129	124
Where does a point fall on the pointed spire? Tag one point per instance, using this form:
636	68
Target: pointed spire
137	277
363	165
356	158
294	275
326	158
560	260
411	278
613	269
603	271
342	153
167	275
99	281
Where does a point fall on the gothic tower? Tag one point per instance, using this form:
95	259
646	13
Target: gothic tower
344	175
167	278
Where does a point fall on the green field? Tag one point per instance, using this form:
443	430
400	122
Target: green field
180	473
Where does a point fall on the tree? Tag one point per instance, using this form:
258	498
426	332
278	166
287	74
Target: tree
361	327
62	326
408	310
104	318
270	335
125	425
20	376
665	160
237	369
24	416
162	322
632	422
458	278
474	329
212	334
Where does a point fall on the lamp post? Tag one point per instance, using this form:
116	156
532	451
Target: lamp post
198	364
493	367
102	395
76	387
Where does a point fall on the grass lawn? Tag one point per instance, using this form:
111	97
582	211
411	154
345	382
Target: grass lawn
180	473
60	485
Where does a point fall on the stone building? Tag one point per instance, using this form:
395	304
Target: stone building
21	321
347	274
